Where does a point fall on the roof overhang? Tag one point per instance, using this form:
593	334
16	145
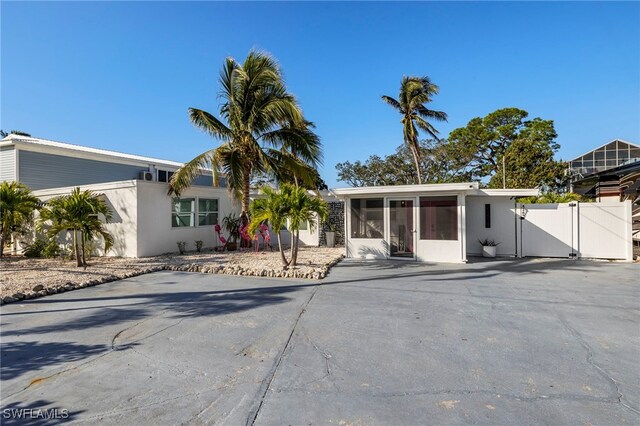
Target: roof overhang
527	192
392	190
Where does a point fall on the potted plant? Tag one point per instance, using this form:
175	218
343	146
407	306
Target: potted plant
331	235
231	224
488	247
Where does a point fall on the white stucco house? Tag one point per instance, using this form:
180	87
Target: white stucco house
146	220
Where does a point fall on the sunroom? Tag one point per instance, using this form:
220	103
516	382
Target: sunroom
424	223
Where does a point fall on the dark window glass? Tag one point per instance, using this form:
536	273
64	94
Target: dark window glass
162	175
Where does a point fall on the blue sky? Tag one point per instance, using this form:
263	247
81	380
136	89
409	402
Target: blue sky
121	75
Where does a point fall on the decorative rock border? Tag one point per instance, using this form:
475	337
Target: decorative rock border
40	290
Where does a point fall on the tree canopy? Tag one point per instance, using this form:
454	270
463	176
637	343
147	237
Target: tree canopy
261	127
438	164
472	153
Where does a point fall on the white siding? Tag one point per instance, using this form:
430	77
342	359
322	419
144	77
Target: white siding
7	163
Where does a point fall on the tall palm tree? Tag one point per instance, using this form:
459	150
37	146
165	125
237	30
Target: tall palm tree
261	127
415	92
78	212
17	205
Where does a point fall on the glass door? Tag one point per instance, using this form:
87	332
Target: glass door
402	229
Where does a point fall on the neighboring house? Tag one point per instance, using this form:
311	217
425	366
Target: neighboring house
146	221
610	172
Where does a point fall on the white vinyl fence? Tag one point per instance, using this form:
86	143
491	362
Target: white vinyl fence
589	230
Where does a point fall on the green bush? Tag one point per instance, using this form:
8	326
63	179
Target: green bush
52	249
35	249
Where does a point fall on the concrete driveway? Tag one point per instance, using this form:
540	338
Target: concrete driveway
502	342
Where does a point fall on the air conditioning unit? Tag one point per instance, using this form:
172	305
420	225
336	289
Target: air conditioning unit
145	175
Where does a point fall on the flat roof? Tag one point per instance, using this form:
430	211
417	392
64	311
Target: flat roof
468	188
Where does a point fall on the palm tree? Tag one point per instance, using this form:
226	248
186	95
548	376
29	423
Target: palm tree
17	205
415	92
293	204
302	208
274	210
78	212
262	130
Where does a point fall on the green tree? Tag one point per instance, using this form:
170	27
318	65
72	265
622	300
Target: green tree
293	204
79	212
262	130
17	205
485	140
529	164
439	163
415	93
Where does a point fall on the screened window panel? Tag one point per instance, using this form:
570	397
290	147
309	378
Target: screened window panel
438	218
367	218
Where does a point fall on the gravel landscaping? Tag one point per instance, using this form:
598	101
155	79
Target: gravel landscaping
23	278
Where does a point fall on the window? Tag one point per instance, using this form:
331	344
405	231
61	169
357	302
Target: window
304	225
487	215
207	211
164	175
367	218
438	218
183	212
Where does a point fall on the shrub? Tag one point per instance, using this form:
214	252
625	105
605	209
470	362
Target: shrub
52	249
35	249
198	245
182	246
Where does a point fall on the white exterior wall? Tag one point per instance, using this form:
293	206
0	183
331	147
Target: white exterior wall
503	224
605	230
453	251
155	233
121	197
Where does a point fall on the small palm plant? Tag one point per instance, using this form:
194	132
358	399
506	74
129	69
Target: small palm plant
415	92
17	205
79	212
292	204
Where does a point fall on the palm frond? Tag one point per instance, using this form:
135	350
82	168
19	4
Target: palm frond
186	174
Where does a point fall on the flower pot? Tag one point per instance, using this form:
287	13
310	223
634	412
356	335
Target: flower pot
331	238
489	251
232	246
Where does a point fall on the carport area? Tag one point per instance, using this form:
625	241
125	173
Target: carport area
383	342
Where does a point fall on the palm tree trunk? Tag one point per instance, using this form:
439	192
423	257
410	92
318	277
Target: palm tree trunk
246	178
75	248
416	161
285	263
3	239
84	260
294	258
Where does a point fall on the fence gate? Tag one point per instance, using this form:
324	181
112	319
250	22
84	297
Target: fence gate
591	230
